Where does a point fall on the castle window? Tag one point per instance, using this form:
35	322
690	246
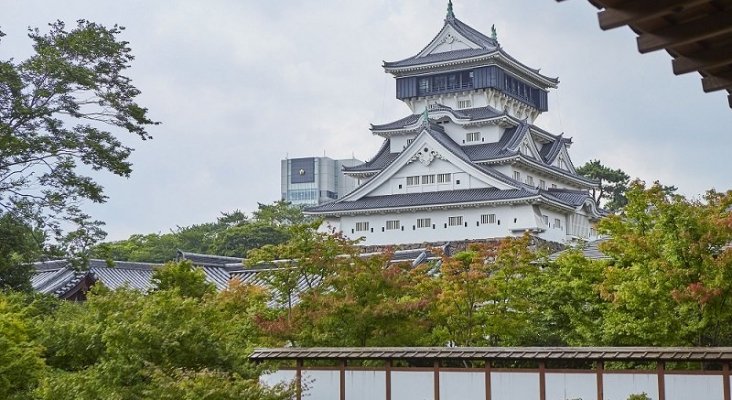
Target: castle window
488	219
557	223
412	180
465	103
445	83
546	219
424	223
455	221
428	179
542	183
409	141
472	137
392	225
443	178
517	175
362	226
529	180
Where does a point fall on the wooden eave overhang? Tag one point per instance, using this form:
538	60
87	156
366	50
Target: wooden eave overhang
696	33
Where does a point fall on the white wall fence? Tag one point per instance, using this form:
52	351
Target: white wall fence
499	384
491	373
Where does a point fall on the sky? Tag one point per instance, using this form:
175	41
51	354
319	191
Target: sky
241	84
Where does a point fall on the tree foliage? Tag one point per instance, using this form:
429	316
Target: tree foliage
125	344
20	245
612	187
58	109
233	234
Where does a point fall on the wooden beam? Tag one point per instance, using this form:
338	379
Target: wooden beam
637	11
488	390
675	35
661	371
389	364
542	380
298	379
437	380
343	380
725	366
714	83
707	58
600	366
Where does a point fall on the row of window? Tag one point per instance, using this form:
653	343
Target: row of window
530	180
428	179
557	221
445	82
458	220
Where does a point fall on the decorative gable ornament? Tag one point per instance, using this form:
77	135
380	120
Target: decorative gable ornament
426	156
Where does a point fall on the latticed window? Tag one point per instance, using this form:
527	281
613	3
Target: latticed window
428	179
424	223
392	225
472	137
465	103
443	178
455	221
557	223
412	180
488	219
362	226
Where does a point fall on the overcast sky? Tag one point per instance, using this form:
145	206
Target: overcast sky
240	84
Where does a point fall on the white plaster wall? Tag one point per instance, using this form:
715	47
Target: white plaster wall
523	214
399	143
619	386
561	386
515	385
412	385
462	385
488	133
321	385
365	385
274	378
693	387
437	166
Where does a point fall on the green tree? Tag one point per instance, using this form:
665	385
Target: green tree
19	247
55	111
671	279
571	307
125	344
612	187
182	276
21	365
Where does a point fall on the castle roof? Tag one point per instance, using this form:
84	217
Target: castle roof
483	47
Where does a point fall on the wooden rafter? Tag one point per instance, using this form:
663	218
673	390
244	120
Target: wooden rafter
707	58
677	35
637	11
697	34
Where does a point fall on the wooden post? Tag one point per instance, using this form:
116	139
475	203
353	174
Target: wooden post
600	367
661	366
487	380
542	380
437	380
388	379
298	379
725	381
343	379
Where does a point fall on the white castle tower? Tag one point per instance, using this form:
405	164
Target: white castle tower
468	163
